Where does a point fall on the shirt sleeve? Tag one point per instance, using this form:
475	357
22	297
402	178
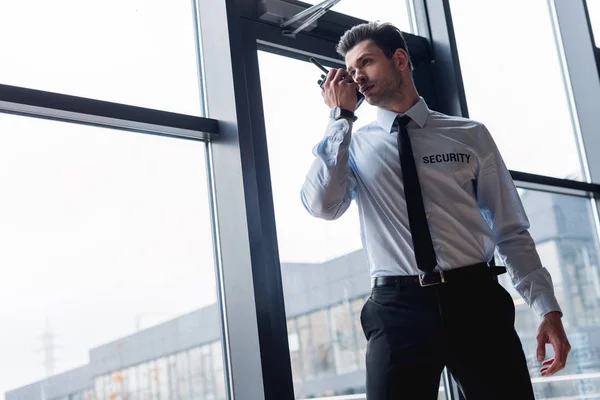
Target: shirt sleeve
328	189
501	206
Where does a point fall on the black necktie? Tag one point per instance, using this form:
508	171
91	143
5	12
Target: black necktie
421	237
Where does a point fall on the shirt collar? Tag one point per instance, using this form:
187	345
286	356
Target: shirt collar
418	113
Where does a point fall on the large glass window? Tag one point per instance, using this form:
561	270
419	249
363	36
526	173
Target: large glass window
396	12
106	259
325	274
514	84
127	51
563	229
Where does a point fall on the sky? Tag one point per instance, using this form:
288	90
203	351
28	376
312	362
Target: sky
105	232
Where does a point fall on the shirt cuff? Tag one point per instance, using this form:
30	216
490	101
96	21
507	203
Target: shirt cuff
338	129
545	303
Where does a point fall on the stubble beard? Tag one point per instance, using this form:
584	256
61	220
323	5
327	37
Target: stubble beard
392	91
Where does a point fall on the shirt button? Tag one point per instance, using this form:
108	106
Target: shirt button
438	246
428	216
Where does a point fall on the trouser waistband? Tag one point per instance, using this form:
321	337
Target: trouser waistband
475	271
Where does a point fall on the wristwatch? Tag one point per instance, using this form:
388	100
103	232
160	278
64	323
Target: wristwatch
338	112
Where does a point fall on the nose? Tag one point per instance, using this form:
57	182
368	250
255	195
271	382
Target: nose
359	76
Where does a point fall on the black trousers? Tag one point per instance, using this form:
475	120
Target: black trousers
413	332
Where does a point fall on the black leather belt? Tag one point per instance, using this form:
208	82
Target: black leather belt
475	271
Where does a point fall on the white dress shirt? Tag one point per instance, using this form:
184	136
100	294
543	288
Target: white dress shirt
470	200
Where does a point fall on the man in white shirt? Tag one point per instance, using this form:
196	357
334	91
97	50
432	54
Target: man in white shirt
435	200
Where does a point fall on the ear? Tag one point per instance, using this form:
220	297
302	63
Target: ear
400	58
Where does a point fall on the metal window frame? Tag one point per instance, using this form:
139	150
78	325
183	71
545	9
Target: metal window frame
556	185
434	22
62	107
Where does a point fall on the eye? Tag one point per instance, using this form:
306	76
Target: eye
366	61
352	73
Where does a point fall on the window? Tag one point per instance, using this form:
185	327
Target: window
219	374
135	52
514	84
357	306
99	388
196	372
161	378
344	340
294	344
305	348
321	352
182	375
107	234
562	227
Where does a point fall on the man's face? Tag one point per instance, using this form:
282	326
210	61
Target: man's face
379	79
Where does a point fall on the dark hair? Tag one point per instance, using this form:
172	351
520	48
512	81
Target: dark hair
384	35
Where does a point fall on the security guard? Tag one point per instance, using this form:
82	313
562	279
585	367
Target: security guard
435	199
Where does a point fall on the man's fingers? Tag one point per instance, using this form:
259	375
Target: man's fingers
566	347
554	367
335	75
541	347
551	331
339	74
561	350
330	76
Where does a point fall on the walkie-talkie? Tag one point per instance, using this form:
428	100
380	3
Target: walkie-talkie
359	95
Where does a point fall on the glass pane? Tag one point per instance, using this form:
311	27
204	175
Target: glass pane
325	274
514	84
135	52
563	229
395	12
594	11
107	274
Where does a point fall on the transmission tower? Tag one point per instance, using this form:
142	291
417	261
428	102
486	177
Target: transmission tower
48	349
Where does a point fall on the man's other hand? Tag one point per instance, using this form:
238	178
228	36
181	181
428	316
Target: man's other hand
551	331
339	90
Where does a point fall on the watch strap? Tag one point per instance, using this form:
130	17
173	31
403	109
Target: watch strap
338	112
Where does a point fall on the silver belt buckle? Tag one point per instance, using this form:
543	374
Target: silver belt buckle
424	284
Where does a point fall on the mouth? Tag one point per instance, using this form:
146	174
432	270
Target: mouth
365	90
